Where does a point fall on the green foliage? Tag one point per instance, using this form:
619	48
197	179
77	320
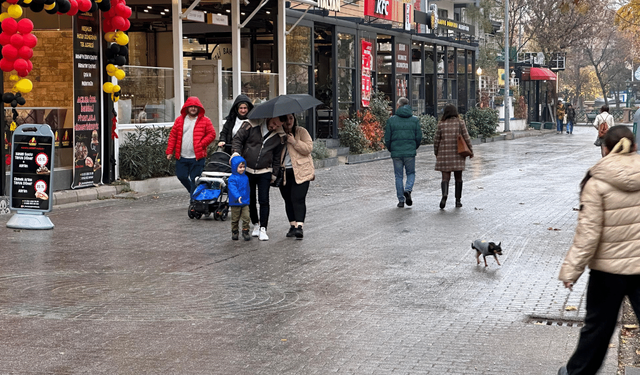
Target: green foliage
484	120
352	136
319	151
142	155
379	107
429	125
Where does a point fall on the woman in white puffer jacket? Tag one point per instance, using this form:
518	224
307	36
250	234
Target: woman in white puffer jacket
607	239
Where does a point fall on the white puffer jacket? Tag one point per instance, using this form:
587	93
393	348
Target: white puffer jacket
607	237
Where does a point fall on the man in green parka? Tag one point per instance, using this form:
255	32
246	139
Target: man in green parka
402	138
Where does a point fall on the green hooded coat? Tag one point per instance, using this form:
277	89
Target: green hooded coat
403	134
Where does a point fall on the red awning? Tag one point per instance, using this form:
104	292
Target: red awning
542	74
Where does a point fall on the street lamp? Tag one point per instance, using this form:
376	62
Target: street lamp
628	87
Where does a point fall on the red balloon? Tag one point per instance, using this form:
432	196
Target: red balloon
12	1
123	10
30	40
6	65
25	53
22	73
106	25
17	40
84	5
30	64
10	52
25	26
5	38
9	25
74	8
20	64
127	25
117	22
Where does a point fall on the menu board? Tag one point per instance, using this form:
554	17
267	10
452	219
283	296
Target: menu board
87	89
366	73
31	167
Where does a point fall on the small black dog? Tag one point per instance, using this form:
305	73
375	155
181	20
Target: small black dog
486	248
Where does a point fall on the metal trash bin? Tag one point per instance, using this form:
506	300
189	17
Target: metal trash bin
536	125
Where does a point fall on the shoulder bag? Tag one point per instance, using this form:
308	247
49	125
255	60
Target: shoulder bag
463	148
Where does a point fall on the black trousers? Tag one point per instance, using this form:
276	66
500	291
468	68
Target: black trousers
605	293
294	196
262	183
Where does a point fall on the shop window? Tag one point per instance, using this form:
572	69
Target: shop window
298	60
346	72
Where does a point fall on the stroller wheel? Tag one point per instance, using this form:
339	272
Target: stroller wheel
198	215
223	214
191	211
216	215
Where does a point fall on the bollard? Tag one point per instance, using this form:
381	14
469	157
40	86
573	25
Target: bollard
31	177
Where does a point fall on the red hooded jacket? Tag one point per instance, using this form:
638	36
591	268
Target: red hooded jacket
203	131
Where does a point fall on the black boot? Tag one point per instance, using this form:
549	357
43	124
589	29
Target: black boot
444	185
458	193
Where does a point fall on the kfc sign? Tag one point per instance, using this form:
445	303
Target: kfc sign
385	9
382	7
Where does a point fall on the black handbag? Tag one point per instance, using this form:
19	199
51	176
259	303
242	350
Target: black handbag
279	177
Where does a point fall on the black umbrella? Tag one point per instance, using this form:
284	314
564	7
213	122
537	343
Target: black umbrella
283	105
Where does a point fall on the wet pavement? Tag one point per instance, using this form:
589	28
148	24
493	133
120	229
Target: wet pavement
136	287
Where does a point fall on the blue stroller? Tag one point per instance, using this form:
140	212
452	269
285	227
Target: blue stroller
210	195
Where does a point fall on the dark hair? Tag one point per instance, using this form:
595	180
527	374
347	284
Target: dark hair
283	118
295	123
450	111
615	134
604	108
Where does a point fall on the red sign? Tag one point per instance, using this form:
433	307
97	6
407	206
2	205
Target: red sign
380	9
366	73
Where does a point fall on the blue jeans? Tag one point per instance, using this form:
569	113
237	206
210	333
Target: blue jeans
409	165
559	125
187	170
570	126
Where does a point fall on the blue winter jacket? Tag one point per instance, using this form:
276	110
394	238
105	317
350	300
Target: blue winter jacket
238	183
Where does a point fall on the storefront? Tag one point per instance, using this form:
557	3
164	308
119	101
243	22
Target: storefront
538	88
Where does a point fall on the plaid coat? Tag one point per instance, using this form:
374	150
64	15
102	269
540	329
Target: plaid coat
445	145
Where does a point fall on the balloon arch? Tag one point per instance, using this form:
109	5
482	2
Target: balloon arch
18	42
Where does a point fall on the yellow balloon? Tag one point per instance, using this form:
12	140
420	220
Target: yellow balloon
3	16
15	11
119	74
115	98
108	87
14	78
5	5
116	88
50	6
13	126
111	68
27	1
122	40
24	86
110	36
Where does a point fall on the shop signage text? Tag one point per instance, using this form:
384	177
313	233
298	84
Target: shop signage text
332	5
366	73
392	10
457	26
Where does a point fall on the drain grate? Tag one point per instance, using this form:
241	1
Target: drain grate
555	322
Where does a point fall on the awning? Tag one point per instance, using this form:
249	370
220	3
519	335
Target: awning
542	74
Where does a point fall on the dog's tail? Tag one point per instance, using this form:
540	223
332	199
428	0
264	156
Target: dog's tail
473	247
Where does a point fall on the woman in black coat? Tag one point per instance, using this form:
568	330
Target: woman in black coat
237	115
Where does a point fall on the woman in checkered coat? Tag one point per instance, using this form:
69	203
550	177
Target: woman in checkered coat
445	146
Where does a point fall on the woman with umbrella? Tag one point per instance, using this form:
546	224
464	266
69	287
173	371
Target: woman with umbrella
299	170
260	143
237	115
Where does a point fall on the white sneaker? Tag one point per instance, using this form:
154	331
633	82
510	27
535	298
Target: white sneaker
256	230
263	234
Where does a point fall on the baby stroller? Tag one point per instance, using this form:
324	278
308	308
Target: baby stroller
210	195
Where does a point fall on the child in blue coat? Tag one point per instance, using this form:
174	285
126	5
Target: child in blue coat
239	198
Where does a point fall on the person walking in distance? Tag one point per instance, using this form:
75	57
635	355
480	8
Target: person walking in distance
559	116
571	118
602	118
191	134
445	146
237	115
299	171
260	143
402	137
606	240
239	194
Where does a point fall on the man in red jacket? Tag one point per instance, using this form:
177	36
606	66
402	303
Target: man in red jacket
192	132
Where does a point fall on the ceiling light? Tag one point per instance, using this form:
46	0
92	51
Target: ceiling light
228	10
162	13
146	10
268	12
242	14
148	6
166	10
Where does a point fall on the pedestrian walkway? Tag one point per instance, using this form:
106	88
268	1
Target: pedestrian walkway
135	286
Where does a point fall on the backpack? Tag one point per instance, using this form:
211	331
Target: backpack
602	128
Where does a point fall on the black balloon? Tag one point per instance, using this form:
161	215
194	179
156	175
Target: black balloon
64	6
21	3
36	7
124	51
21	100
14	103
115	48
104	5
94	7
53	10
120	60
7	97
111	61
49	2
37	2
